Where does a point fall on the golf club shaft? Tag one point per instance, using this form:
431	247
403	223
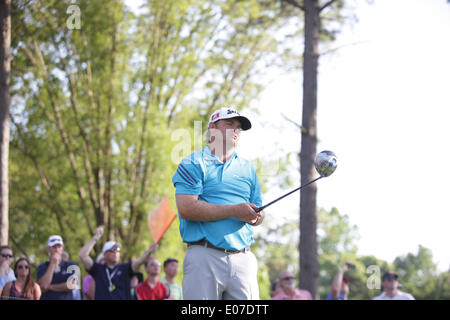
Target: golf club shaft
270	203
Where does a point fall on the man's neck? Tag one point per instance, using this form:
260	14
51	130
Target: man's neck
289	291
170	280
111	264
391	294
152	280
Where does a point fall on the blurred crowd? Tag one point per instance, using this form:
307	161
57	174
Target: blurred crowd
109	278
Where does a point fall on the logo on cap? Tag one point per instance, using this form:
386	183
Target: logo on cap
215	116
54	240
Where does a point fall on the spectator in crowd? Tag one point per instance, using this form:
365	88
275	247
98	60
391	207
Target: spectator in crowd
339	287
389	284
89	282
64	256
152	288
275	288
112	279
76	292
171	271
288	290
136	280
6	273
53	275
23	287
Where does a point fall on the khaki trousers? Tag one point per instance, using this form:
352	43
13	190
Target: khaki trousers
209	274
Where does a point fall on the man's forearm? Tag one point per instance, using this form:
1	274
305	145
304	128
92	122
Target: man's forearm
136	264
60	287
336	285
46	280
198	210
84	253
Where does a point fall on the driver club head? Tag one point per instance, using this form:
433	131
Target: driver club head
325	163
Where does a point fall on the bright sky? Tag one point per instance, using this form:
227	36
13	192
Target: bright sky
384	109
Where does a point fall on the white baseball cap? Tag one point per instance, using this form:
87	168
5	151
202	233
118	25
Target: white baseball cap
54	240
109	245
100	257
228	113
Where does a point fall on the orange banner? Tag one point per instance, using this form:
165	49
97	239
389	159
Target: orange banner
160	219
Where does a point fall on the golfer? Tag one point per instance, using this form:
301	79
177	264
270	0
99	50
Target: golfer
217	193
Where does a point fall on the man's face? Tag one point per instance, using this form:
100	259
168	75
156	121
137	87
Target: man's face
112	256
153	267
287	280
57	248
390	285
6	256
226	131
171	269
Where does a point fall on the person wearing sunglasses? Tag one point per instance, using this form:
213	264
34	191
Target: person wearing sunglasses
288	289
113	278
23	287
6	273
152	288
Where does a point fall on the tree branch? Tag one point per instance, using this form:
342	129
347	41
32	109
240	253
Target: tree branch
330	2
340	47
302	129
295	4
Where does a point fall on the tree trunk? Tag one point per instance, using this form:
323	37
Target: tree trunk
5	66
309	265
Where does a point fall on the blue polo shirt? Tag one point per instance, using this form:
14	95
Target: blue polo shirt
340	296
58	277
215	182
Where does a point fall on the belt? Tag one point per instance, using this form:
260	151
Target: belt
207	244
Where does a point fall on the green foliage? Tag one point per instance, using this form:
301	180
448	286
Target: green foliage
418	274
277	250
95	110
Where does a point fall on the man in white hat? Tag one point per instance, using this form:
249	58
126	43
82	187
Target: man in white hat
112	279
217	193
54	274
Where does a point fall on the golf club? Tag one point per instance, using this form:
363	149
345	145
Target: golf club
325	163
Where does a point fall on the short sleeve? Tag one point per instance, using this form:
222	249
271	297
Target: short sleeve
128	268
41	271
188	179
139	292
93	271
